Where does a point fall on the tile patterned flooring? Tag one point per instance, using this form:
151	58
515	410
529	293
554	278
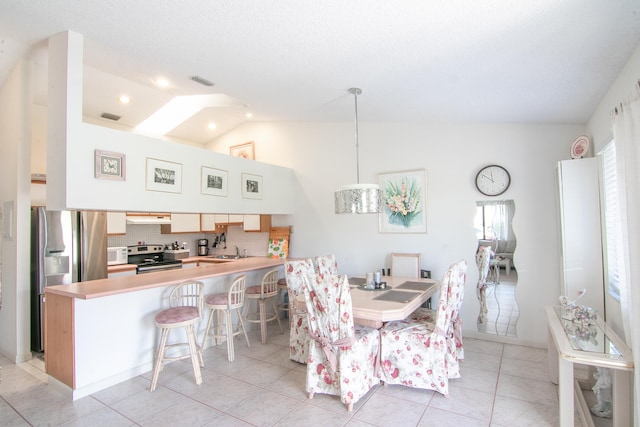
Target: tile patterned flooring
501	385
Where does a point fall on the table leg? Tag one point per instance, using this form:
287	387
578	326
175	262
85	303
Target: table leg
565	392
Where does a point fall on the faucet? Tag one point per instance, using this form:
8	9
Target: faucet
237	252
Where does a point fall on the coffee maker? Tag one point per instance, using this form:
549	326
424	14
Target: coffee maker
203	247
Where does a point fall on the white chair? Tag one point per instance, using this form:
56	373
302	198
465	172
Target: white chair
185	311
483	260
268	288
425	352
294	272
326	264
343	358
405	265
225	304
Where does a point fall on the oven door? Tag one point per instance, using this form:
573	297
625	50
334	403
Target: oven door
152	268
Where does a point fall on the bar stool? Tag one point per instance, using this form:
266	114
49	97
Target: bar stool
282	287
268	288
225	304
185	311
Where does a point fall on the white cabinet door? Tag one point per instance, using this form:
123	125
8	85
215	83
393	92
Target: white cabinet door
116	223
208	222
234	218
252	223
221	218
185	223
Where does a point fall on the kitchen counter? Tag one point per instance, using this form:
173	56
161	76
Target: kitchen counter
102	332
207	267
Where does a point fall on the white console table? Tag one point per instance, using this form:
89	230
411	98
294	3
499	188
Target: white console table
605	349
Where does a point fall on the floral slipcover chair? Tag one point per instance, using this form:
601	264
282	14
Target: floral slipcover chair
343	358
483	260
423	351
294	271
326	264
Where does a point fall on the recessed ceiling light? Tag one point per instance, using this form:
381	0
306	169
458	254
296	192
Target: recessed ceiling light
124	99
162	82
211	126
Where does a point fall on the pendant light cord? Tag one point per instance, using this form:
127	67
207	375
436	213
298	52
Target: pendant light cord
356	91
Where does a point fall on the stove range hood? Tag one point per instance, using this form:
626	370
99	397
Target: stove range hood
148	219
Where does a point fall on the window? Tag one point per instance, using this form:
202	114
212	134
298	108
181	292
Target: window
613	239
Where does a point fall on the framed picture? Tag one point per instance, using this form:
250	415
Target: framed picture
110	165
252	186
404	202
246	150
214	182
164	176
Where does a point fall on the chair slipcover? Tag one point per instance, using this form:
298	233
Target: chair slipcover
483	260
294	272
327	264
343	359
423	351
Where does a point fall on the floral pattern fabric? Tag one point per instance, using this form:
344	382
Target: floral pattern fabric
327	264
294	271
343	358
424	350
278	248
483	260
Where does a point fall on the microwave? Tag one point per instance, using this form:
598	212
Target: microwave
117	255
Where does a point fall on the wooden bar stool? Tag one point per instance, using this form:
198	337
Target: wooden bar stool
225	304
185	311
268	288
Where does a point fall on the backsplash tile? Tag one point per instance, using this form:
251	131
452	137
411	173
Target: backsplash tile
256	244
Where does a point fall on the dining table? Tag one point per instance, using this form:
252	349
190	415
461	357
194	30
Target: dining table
396	301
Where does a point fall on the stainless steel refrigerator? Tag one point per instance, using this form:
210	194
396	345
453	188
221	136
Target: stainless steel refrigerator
66	247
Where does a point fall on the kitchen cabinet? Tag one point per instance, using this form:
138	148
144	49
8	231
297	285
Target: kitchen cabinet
182	223
116	223
221	221
260	223
208	223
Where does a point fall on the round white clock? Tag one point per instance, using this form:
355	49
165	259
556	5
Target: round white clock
493	180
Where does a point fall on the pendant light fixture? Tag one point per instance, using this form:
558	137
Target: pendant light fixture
358	198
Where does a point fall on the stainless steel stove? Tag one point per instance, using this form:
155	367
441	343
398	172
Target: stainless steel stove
149	258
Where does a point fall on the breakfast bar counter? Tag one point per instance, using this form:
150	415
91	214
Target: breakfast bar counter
102	332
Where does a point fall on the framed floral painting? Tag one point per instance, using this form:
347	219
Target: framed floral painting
404	202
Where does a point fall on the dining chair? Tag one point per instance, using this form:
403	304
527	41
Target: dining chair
327	264
224	304
483	260
343	358
425	352
267	289
294	271
405	264
185	311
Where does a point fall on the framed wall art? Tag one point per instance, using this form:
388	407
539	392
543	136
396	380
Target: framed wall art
404	202
252	186
214	182
110	165
246	150
164	176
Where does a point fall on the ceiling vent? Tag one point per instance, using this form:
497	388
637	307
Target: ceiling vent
201	80
110	116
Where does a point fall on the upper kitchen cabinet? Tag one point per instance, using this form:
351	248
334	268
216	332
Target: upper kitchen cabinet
182	223
208	223
257	223
116	223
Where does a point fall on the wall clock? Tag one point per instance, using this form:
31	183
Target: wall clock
493	180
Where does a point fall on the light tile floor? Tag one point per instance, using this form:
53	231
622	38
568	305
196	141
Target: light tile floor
501	385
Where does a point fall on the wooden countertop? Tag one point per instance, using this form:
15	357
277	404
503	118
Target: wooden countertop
118	285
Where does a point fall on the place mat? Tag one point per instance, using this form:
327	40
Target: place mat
357	281
416	286
397	296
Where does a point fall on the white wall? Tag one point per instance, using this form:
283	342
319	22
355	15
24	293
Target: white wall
323	157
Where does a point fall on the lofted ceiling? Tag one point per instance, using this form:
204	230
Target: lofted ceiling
548	61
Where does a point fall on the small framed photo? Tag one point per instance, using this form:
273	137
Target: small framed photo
214	182
246	150
252	186
164	176
110	165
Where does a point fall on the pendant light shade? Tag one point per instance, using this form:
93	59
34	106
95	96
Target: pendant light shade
358	198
